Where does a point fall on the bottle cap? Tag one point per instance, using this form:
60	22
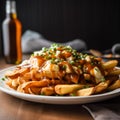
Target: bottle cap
10	6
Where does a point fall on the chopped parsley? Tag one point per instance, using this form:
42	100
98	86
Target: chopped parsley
3	79
102	79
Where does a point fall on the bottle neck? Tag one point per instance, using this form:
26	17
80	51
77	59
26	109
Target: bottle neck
11	9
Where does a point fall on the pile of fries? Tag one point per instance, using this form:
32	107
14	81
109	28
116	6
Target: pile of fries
60	70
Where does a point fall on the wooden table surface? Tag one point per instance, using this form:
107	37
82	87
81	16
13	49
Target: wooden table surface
12	108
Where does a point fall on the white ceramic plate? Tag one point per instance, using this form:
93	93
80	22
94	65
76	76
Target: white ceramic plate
55	99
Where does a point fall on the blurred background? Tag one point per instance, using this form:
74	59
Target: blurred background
94	21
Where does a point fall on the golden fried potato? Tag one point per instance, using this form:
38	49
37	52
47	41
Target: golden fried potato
97	74
27	85
47	91
85	91
114	72
109	64
66	89
12	74
17	72
34	90
114	85
101	86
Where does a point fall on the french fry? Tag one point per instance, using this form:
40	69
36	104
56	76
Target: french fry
114	72
9	83
47	91
12	74
30	84
85	91
15	73
15	83
66	89
20	88
97	74
115	85
34	90
109	64
101	86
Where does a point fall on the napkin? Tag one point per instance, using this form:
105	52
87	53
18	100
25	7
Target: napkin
108	110
33	41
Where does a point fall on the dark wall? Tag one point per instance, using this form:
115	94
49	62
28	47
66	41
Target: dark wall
95	21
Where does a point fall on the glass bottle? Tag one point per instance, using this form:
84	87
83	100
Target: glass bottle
12	29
